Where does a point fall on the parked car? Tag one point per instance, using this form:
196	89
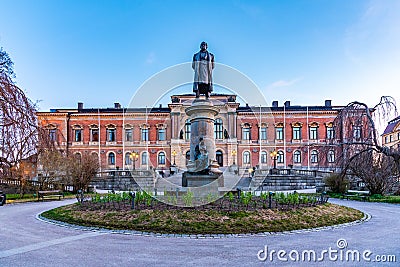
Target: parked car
2	198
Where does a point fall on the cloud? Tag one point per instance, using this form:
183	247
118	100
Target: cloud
151	57
284	83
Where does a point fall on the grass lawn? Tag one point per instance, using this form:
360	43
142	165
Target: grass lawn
194	221
373	198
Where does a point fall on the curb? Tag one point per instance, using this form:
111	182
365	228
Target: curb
39	217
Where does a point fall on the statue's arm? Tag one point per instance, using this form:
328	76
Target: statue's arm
212	61
193	61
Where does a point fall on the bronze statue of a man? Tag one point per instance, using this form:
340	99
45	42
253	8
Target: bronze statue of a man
203	65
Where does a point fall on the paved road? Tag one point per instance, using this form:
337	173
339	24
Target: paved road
26	241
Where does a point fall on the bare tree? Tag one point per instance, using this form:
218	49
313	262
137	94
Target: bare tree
18	123
377	171
82	168
357	144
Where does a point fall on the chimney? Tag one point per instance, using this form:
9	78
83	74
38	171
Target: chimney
80	105
117	105
160	105
328	103
275	104
287	104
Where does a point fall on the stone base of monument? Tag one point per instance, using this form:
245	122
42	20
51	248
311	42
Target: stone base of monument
202	180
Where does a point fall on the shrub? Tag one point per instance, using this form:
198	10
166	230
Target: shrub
337	183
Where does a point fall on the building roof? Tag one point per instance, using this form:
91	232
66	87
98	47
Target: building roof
391	125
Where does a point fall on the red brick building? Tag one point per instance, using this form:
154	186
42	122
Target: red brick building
245	135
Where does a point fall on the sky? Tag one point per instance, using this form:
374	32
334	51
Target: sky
99	52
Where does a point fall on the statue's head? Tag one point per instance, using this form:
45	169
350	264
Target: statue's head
203	46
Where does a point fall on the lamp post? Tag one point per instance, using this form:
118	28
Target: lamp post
174	155
134	156
274	156
233	154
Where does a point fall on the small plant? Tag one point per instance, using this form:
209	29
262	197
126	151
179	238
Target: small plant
188	199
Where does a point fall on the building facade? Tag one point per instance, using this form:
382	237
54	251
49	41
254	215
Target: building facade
391	135
124	138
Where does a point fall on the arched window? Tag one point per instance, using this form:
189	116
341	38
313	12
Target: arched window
218	129
187	130
246	157
264	156
331	156
187	156
111	158
297	156
144	158
161	158
95	155
314	156
219	156
78	156
128	160
280	158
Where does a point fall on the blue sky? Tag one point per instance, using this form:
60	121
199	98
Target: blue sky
100	52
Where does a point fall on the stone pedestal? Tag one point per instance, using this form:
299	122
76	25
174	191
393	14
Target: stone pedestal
201	114
197	180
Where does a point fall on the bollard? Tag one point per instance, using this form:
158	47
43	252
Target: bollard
270	200
239	191
177	193
155	191
132	194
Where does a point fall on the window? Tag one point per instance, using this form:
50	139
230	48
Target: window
296	133
263	157
78	156
357	132
95	155
330	133
161	158
297	156
111	158
279	132
144	134
78	135
187	130
94	135
144	158
391	138
128	160
128	135
246	157
386	140
219	156
331	156
263	133
161	134
53	135
313	133
246	132
218	129
314	156
110	134
280	158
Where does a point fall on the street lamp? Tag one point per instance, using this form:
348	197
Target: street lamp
174	155
274	156
233	154
134	156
